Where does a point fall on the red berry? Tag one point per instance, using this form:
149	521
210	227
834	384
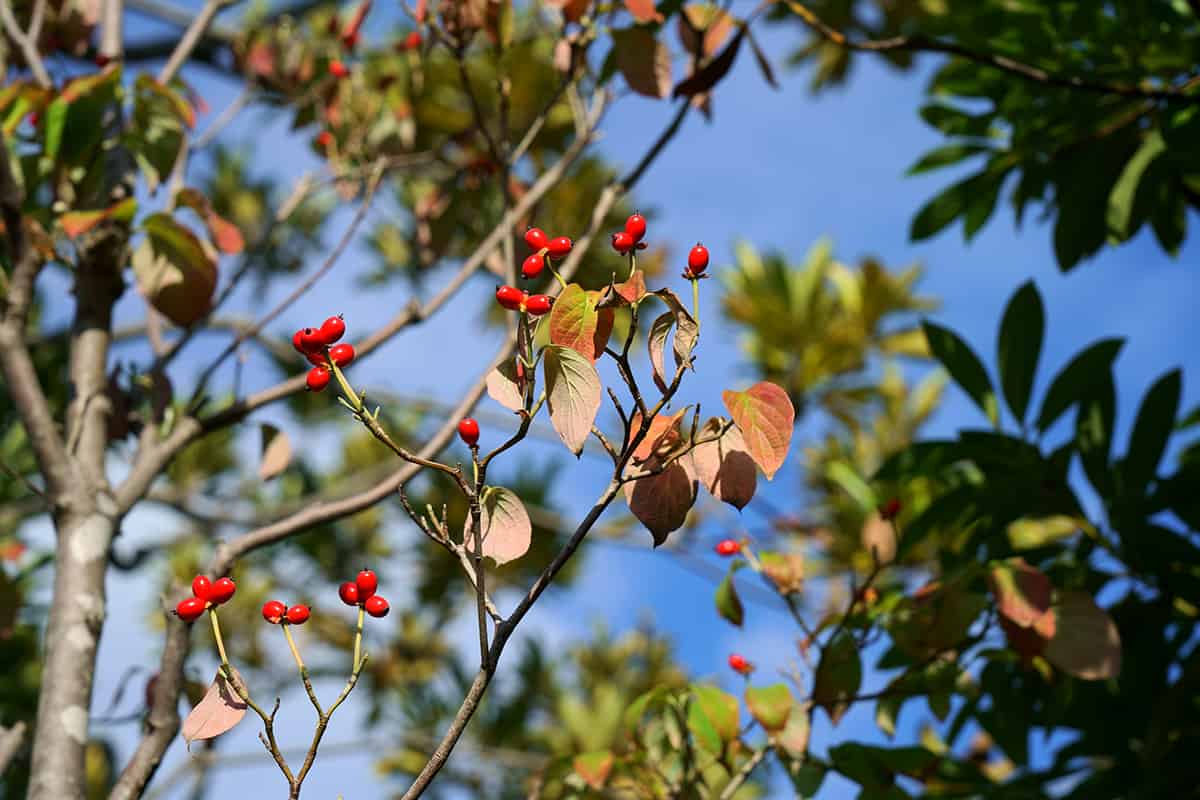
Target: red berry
697	259
376	606
559	247
222	589
333	329
367	582
317	379
190	609
324	139
102	60
468	431
337	69
622	242
412	41
274	611
510	297
342	354
349	593
727	547
533	266
318	360
350	40
539	304
309	340
740	665
298	615
298	342
890	509
635	226
201	586
536	238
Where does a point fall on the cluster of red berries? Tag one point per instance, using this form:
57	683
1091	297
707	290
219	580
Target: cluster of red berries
317	345
205	593
728	547
543	247
468	431
361	592
278	613
739	664
514	299
630	239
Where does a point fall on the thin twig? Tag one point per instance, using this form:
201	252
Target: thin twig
191	37
27	41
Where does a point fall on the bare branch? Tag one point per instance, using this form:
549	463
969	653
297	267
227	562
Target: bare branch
28	41
112	38
191	38
11	740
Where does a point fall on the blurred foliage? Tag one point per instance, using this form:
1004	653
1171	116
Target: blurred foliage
1100	165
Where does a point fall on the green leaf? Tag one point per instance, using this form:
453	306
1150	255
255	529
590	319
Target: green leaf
1020	347
1121	198
573	321
807	777
1155	420
945	156
860	491
839	674
1094	429
1071	384
729	605
964	367
174	271
713	717
56	122
770	705
939	212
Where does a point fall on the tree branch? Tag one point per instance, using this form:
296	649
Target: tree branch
191	38
28	41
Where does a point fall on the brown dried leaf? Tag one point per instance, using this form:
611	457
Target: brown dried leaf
218	711
724	466
661	502
644	61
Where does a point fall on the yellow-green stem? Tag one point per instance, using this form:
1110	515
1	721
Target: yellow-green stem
557	277
349	393
216	626
287	631
632	262
358	629
696	300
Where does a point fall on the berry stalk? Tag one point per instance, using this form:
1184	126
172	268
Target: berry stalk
696	301
308	687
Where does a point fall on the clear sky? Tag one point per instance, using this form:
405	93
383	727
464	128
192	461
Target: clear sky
780	169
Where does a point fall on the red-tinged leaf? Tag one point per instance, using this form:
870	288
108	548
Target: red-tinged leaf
504	523
711	21
1022	592
276	453
178	103
1086	642
594	767
504	387
79	87
574	321
838	677
765	416
661	502
174	271
764	64
711	73
572	394
644	61
724	466
771	705
663	433
218	711
77	223
633	288
572	9
1027	642
260	60
643	10
225	234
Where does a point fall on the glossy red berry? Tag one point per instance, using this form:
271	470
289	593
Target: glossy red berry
221	590
891	509
533	265
274	611
324	139
190	609
510	297
318	360
727	547
201	586
536	238
349	593
412	41
298	615
102	60
622	242
539	304
740	665
309	340
697	259
468	431
367	582
342	354
376	606
333	329
635	226
317	379
559	247
337	69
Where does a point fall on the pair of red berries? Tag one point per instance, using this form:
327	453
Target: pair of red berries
514	299
631	238
361	592
728	547
697	262
543	246
205	593
740	665
278	613
315	345
468	431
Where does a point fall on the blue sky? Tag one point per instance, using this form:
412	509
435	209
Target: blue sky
780	169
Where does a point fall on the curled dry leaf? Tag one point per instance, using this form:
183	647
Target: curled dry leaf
765	416
218	711
572	394
276	453
724	466
785	570
504	523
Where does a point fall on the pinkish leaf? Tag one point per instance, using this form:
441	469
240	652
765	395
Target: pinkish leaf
724	466
276	453
663	432
218	711
504	524
765	416
1086	642
1022	592
572	394
504	387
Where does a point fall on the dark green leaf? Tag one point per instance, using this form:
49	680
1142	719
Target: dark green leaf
1020	347
729	605
1094	429
964	367
1155	420
945	156
1121	198
1070	385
